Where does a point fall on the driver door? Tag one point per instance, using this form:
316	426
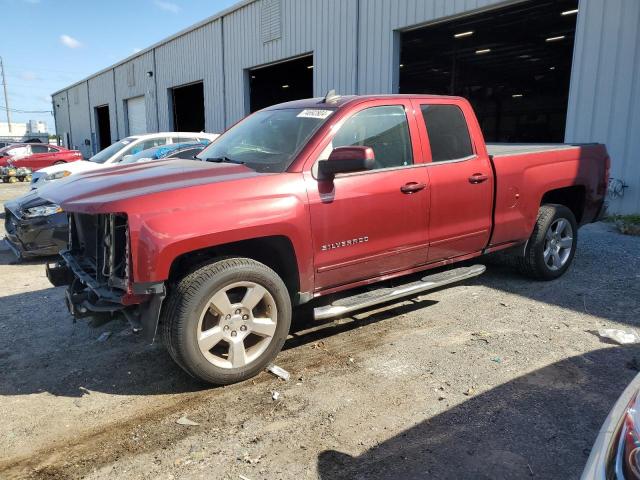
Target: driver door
368	224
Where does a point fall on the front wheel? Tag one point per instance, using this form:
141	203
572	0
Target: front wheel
552	244
225	322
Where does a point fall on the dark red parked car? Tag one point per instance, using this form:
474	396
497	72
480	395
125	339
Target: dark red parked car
36	156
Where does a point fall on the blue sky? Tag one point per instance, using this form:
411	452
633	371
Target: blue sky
49	44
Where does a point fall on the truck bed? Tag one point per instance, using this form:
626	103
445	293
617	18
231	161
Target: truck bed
506	149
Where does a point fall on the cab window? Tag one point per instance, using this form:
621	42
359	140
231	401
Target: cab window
385	129
448	132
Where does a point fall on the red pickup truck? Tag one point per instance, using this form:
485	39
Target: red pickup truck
311	198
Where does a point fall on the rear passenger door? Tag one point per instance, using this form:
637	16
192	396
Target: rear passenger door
460	178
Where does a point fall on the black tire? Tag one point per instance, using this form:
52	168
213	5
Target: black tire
532	263
188	299
59	162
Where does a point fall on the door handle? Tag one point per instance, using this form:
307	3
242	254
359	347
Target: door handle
412	187
478	178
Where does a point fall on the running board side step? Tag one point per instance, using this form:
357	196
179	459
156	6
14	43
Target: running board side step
384	295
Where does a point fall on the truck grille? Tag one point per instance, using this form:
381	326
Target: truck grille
100	246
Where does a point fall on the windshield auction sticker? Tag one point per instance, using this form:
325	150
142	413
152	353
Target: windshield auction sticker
315	113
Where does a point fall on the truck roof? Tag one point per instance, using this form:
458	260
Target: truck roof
341	100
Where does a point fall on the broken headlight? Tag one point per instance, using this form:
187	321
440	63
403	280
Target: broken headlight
42	211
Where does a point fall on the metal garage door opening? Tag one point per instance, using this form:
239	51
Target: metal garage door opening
136	116
103	123
188	108
513	64
285	81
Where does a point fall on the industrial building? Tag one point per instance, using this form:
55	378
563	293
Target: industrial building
534	70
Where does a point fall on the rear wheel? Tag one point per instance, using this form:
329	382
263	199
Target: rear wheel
552	244
225	322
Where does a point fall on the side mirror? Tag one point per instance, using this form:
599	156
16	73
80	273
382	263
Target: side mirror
346	160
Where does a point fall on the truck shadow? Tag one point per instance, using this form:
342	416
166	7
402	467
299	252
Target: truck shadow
42	350
540	425
67	358
598	284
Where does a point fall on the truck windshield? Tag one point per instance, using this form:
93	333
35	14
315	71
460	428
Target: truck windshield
267	141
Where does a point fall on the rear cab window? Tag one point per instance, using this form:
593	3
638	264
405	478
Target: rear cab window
447	132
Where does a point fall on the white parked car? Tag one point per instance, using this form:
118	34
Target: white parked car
115	153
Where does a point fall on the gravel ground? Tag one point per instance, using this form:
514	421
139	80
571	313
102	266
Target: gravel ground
500	377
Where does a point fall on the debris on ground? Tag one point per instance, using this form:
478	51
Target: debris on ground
252	461
496	360
275	396
104	336
619	336
278	372
470	391
480	336
319	346
187	422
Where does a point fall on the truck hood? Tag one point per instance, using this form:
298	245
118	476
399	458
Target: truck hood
105	189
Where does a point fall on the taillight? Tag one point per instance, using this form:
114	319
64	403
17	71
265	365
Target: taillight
627	458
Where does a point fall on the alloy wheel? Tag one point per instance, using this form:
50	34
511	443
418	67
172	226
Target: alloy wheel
237	325
558	244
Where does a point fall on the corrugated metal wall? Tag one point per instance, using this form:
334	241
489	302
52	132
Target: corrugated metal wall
355	48
131	80
61	114
194	57
325	28
101	93
80	120
604	101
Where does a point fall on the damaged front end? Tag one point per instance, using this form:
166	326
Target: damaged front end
97	269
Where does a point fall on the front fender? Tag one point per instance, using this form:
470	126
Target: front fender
159	239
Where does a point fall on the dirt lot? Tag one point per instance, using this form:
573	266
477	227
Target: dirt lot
500	377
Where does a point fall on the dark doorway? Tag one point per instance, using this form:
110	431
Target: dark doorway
188	108
285	81
513	64
103	123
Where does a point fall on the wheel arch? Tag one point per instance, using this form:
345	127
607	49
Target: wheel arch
276	251
573	197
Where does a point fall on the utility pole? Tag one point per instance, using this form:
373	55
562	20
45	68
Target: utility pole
6	98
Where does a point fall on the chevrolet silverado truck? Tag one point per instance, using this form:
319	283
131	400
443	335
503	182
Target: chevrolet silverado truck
308	199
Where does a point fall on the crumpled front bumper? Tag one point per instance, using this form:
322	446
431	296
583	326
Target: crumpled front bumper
86	297
38	236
